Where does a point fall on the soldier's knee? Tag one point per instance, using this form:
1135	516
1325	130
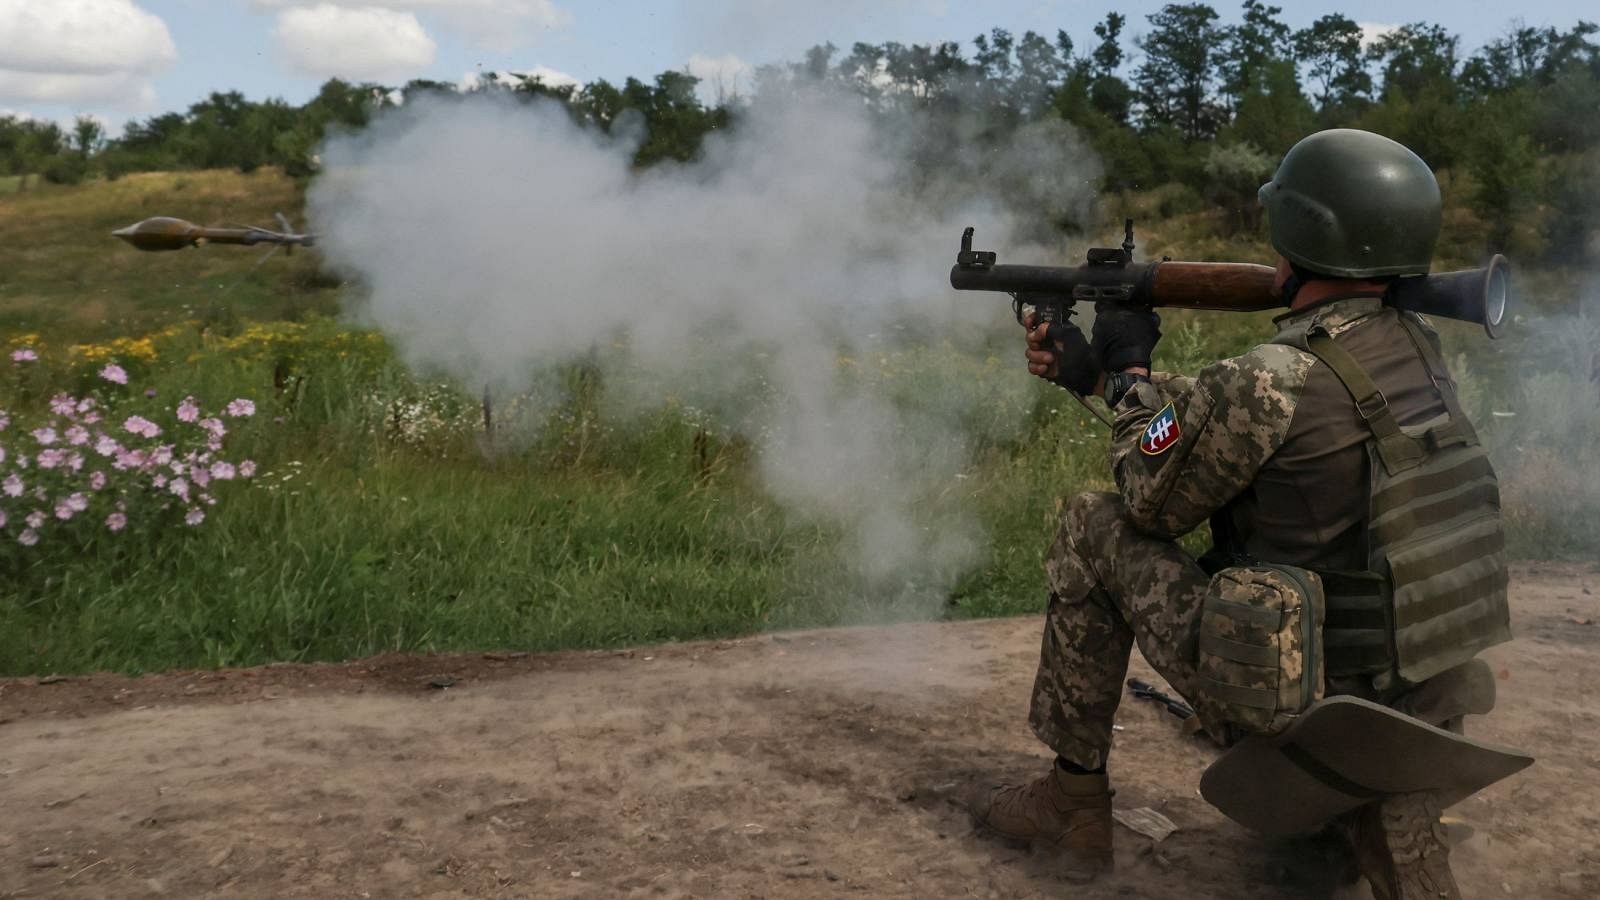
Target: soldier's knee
1091	513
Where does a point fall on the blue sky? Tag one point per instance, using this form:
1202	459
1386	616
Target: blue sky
119	59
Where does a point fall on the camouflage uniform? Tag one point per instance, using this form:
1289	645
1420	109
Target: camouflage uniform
1271	450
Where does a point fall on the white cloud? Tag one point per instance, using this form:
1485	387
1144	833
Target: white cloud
1372	32
721	77
494	24
81	51
366	42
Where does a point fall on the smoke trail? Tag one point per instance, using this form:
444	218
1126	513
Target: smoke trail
498	239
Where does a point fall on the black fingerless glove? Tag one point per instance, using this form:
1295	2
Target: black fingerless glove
1124	336
1075	366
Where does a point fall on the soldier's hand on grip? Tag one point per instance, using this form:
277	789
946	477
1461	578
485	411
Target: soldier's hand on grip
1124	337
1060	354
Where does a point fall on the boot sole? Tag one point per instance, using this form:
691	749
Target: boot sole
1401	846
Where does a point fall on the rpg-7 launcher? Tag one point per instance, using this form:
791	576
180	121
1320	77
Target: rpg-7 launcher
1048	293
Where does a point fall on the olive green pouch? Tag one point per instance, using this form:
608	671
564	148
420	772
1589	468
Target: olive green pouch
1260	660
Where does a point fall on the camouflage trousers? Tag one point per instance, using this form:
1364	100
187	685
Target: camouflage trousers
1110	586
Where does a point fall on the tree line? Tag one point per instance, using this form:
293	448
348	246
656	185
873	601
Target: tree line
1192	99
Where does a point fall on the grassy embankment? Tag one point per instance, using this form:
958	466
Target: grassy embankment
385	518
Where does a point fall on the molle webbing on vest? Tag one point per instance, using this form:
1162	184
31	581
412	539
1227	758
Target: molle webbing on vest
1434	531
1357	635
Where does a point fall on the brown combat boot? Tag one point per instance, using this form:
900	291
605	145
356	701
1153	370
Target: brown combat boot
1400	847
1068	813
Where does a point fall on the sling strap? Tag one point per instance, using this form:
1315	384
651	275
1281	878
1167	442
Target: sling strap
1398	450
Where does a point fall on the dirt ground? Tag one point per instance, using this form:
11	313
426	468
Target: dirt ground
796	765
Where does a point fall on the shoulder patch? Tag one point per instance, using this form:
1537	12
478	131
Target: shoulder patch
1161	433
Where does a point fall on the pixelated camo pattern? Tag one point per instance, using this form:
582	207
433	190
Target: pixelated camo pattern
1260	639
1232	418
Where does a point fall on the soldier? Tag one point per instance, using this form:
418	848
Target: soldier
1274	450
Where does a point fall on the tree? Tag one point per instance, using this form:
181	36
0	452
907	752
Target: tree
1273	115
1250	47
88	136
1504	164
1107	55
1415	57
1526	55
1174	81
1107	92
1331	49
1040	69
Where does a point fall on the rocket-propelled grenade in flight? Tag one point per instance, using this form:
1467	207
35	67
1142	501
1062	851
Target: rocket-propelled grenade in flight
167	233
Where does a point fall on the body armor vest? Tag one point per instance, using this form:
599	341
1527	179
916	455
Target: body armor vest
1434	593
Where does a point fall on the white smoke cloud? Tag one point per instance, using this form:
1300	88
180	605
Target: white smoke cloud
81	51
367	43
497	241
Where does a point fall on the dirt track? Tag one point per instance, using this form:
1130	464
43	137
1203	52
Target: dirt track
800	765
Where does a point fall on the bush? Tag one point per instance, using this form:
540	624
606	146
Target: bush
1233	175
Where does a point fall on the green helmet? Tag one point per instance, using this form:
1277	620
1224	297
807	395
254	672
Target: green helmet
1353	204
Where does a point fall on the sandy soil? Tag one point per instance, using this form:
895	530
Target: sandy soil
797	765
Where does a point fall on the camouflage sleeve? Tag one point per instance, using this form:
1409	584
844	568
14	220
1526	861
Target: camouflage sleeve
1182	448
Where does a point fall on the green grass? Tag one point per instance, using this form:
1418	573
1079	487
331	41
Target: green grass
366	533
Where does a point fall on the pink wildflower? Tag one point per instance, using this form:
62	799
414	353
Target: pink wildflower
63	405
214	426
188	411
77	435
75	461
195	516
49	459
91	417
28	537
12	486
63	511
161	455
242	408
179	488
77	502
24	355
141	426
223	471
86	404
35	519
97	481
45	436
201	476
160	481
5	420
116	521
247	469
114	374
130	459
